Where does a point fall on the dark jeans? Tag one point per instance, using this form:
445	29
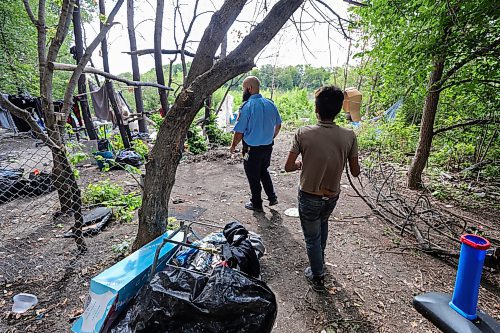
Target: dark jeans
256	162
314	213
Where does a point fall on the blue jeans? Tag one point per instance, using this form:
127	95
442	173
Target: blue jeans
314	212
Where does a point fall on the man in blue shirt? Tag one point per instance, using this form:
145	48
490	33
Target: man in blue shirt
258	124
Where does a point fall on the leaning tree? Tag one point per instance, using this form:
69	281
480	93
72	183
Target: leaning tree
204	77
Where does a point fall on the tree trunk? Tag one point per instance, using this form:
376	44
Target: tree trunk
160	4
203	79
136	76
82	89
370	100
346	68
414	177
109	84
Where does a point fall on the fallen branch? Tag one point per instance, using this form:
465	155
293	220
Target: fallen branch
70	68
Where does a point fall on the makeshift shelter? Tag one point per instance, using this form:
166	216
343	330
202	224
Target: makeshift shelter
352	103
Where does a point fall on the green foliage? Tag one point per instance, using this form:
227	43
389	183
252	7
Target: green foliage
294	105
116	141
121	248
172	223
158	119
196	142
391	139
112	196
76	153
215	134
290	77
140	148
19	51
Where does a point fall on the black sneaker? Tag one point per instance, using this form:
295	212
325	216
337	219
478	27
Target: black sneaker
273	202
249	206
317	282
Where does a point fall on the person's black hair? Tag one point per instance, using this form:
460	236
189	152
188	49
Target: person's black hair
329	101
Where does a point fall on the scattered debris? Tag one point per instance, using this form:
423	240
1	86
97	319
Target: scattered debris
23	302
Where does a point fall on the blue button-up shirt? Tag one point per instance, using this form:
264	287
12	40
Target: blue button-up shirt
258	120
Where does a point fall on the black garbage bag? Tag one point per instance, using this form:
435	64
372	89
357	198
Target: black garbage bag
40	183
239	252
12	184
184	301
129	157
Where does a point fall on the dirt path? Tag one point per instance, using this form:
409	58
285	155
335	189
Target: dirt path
371	282
371	278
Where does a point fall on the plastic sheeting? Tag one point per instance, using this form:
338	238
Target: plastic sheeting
184	301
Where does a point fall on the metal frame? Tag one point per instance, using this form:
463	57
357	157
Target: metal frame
187	229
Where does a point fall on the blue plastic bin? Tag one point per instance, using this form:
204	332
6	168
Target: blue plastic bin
470	267
107	157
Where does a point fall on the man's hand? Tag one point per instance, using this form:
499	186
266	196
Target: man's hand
291	163
237	137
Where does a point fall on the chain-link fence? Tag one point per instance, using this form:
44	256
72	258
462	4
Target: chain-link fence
38	215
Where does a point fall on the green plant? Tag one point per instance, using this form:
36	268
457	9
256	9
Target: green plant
158	119
172	223
215	134
121	248
196	142
116	141
140	148
112	196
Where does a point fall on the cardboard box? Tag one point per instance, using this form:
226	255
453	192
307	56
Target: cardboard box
114	288
352	103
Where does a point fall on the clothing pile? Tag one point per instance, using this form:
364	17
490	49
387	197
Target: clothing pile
214	288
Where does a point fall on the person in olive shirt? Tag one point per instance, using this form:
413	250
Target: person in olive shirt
325	149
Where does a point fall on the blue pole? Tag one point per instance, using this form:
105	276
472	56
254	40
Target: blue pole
470	266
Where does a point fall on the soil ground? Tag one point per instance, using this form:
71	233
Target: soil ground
372	277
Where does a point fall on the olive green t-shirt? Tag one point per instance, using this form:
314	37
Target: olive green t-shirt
325	148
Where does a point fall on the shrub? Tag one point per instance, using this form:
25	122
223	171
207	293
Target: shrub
196	142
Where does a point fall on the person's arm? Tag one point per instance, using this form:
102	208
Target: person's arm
237	137
276	130
291	162
354	166
353	158
239	128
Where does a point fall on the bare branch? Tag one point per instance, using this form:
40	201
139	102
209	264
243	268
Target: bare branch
68	95
219	24
356	3
186	36
163	51
340	19
468	123
70	68
29	11
26	116
62	29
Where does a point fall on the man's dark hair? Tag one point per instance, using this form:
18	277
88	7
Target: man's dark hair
329	101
